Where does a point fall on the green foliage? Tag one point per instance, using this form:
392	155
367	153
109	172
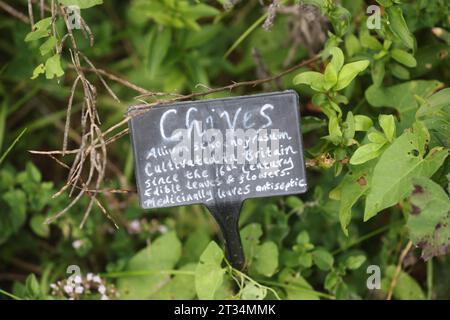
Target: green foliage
375	122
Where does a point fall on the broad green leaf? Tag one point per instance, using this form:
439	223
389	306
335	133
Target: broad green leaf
406	287
311	78
399	71
180	287
338	58
266	259
250	236
434	104
366	152
38	225
41	30
209	272
352	45
40	69
401	97
82	4
296	287
362	123
368	41
14	215
53	67
47	46
253	292
399	27
377	137
404	57
158	257
329	77
352	187
323	259
387	123
354	262
428	222
401	161
349	72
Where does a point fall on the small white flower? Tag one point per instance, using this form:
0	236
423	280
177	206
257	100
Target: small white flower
102	289
134	226
77	244
77	279
53	286
97	279
89	276
104	297
79	290
162	229
68	289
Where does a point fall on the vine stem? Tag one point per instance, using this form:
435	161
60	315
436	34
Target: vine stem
398	269
10	295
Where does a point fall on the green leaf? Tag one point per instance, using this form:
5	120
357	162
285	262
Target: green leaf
41	30
399	27
159	47
406	287
428	222
82	4
366	152
378	71
53	67
209	272
392	175
362	123
37	71
250	235
266	259
311	78
401	97
180	287
297	288
38	225
253	292
33	290
377	137
47	46
387	123
404	57
368	41
330	77
159	256
433	105
338	58
323	259
354	262
352	187
349	72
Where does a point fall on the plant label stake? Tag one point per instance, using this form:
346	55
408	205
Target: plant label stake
218	153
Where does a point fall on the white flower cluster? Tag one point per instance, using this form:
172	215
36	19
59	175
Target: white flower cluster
78	287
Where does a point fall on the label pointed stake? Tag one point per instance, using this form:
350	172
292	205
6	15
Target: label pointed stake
227	217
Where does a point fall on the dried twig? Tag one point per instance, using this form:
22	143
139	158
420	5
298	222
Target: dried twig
398	269
13	12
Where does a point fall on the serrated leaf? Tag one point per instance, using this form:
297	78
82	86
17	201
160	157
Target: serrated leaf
428	222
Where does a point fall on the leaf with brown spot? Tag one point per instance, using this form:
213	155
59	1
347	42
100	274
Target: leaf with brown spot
428	222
